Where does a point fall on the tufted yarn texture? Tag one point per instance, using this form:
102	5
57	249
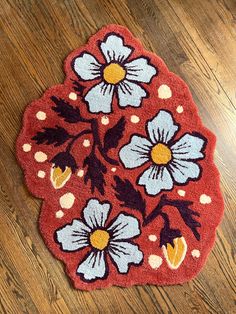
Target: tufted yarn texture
124	166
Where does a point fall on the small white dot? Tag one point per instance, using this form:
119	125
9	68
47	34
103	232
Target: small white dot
152	237
105	120
195	253
154	261
113	169
164	92
41	174
205	199
26	148
181	192
180	109
73	96
86	143
67	200
134	119
40	115
40	156
80	173
59	214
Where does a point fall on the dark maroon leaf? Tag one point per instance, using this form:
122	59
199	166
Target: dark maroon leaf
78	88
56	136
168	235
126	193
114	134
186	214
63	160
65	110
185	211
95	173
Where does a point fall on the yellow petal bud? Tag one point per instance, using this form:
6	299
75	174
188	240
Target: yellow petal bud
175	255
59	177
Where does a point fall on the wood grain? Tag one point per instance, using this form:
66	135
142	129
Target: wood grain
197	40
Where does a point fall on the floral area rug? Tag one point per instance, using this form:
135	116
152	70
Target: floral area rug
124	166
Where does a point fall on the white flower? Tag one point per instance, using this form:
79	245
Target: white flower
171	162
112	240
117	74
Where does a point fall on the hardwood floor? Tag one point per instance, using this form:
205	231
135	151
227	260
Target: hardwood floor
197	40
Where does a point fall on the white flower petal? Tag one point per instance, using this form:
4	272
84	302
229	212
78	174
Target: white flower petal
124	227
99	98
73	237
87	67
95	213
182	170
123	254
162	127
136	152
139	70
155	179
188	147
113	49
130	94
94	266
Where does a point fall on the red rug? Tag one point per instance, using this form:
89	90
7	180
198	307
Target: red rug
124	166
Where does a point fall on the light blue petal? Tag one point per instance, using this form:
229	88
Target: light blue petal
139	70
124	227
99	98
94	266
188	147
123	254
73	237
136	153
130	94
183	170
162	128
156	179
96	213
87	67
114	49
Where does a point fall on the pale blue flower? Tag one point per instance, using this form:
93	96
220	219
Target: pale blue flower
112	240
171	162
117	75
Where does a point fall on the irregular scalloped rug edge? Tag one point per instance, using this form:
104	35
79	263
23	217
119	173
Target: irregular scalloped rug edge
209	134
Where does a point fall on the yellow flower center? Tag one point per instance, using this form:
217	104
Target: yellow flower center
113	73
161	154
99	239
